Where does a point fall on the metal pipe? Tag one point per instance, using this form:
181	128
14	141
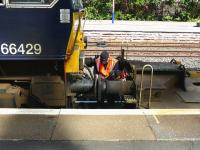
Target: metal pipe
82	86
141	86
119	87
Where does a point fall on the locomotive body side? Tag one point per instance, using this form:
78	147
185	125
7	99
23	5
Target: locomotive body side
40	42
34	33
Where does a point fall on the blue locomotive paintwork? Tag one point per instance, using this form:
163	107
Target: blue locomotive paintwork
36	26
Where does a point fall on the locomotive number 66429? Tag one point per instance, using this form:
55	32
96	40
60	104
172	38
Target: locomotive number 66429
21	49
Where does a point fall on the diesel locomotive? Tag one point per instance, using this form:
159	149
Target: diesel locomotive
42	61
40	41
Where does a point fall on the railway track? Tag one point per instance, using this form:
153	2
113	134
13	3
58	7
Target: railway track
139	53
147	46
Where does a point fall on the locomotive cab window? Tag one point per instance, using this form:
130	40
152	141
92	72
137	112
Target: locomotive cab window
1	2
31	3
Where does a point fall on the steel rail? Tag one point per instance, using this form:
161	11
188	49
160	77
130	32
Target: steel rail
193	45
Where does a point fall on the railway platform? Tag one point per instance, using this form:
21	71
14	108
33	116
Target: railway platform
108	129
142	26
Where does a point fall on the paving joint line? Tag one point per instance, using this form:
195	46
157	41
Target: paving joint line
54	127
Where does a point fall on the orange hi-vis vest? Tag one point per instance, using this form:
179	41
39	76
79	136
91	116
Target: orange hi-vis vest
105	72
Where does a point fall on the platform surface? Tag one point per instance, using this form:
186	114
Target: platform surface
100	125
138	26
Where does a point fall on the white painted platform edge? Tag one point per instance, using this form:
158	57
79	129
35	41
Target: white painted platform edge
16	111
100	112
130	112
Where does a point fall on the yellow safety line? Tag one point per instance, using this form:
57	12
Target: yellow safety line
156	118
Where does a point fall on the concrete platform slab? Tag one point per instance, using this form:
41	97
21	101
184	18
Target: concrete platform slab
175	127
120	125
27	124
103	128
100	125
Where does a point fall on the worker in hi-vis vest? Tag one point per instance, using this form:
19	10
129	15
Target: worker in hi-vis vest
106	66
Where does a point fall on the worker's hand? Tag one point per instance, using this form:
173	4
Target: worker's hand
114	74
